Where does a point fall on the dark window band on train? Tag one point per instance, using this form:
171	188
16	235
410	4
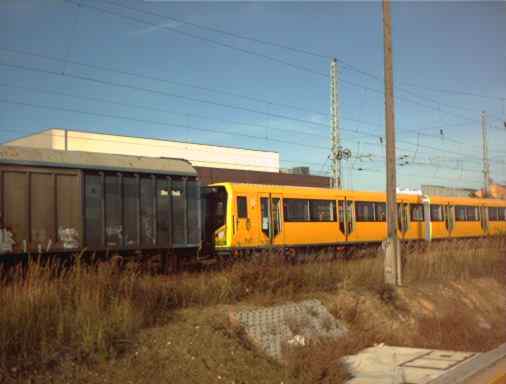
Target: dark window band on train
496	214
416	212
370	211
304	210
472	214
436	213
322	210
466	213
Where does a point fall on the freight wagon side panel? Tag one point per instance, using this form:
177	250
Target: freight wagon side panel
140	211
40	208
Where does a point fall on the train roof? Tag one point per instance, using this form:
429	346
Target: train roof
94	161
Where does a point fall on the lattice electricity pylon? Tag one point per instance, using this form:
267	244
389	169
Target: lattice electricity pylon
336	150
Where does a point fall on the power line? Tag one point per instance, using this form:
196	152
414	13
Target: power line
116	141
210	41
231	133
149	108
320	55
104	82
222	31
247	51
223	163
155	78
139	75
97	114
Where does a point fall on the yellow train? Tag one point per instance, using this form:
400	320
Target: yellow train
251	216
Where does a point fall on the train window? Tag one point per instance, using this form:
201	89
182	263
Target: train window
492	213
242	207
380	211
501	214
472	214
370	211
416	212
296	209
365	211
322	210
460	213
436	213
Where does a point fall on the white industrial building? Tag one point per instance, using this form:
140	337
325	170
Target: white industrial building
200	155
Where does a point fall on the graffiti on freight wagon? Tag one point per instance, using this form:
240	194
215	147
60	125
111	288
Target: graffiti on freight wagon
6	241
69	237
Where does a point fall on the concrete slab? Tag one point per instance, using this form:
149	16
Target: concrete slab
401	365
291	324
449	355
431	363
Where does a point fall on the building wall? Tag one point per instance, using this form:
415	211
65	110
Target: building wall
199	155
217	175
439	190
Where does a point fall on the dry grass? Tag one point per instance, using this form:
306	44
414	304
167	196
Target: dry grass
94	313
453	260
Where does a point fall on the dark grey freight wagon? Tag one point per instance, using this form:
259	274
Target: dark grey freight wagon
57	201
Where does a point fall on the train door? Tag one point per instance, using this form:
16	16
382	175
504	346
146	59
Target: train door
241	217
403	219
271	219
346	218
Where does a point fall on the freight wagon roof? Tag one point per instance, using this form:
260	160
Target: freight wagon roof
94	161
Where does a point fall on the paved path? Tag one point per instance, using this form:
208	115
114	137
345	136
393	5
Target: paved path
487	368
496	374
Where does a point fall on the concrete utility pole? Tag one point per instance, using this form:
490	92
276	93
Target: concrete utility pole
484	150
393	266
336	150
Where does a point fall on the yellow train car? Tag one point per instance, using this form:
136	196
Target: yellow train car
252	216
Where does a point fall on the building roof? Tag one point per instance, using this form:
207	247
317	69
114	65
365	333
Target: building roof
94	161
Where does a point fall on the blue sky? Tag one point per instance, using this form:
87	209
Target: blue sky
441	45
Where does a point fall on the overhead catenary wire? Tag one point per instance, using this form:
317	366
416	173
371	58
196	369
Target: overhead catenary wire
297	50
117	140
313	53
155	109
193	99
154	122
249	52
352	131
154	78
160	79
